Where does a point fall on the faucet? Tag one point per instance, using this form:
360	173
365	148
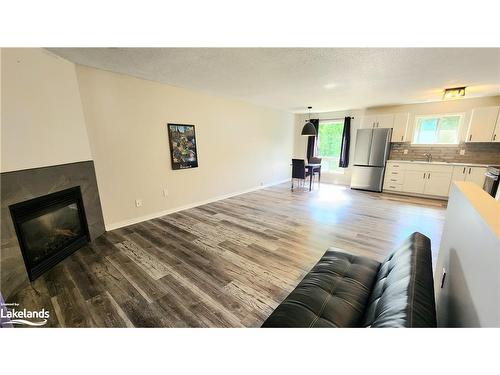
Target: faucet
429	157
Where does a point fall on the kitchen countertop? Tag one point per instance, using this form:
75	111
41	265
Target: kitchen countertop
487	207
437	163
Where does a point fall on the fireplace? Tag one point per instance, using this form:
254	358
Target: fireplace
49	228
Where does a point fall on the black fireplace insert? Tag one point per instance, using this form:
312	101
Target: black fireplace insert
49	228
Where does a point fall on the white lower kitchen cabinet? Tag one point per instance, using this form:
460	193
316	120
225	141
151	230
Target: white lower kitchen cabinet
476	175
429	179
414	182
438	183
459	173
429	183
469	173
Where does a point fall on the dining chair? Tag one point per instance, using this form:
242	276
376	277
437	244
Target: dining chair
316	171
299	170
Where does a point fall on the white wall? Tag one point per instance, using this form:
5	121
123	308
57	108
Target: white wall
470	253
300	142
240	146
42	118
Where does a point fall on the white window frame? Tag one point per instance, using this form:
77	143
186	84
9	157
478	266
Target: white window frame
437	115
328	158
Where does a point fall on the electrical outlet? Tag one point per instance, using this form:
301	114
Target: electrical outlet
138	202
165	192
462	152
405	152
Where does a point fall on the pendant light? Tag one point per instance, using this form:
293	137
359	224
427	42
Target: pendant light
309	130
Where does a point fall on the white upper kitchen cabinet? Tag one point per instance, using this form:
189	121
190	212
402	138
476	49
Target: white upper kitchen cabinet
400	127
482	124
385	121
398	123
377	121
496	132
368	121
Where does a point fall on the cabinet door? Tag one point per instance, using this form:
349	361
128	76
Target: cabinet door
400	127
496	132
368	122
482	124
437	183
476	175
414	182
459	173
384	121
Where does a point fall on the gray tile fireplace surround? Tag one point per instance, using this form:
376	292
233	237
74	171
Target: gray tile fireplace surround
22	185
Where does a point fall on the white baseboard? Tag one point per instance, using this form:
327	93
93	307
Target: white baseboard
124	223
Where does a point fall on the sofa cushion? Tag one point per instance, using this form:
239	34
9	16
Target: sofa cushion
403	294
333	294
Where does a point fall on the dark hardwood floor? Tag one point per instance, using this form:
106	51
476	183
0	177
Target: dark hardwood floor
224	264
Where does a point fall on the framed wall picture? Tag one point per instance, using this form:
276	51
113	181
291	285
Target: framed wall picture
182	140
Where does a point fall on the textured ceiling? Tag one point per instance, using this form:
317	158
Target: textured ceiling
293	78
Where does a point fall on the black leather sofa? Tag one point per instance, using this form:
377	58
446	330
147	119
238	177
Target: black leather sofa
345	290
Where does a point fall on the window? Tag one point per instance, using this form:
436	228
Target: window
329	143
437	129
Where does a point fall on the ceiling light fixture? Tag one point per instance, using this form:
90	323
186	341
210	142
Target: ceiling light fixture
309	129
454	92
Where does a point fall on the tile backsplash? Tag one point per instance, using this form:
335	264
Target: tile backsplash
475	153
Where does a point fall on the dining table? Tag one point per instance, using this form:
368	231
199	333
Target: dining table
311	168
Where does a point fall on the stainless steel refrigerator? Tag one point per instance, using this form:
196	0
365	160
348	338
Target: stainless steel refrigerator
370	154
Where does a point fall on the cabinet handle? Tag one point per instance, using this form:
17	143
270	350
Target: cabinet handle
424	175
428	176
464	171
494	136
402	138
469	170
470	137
